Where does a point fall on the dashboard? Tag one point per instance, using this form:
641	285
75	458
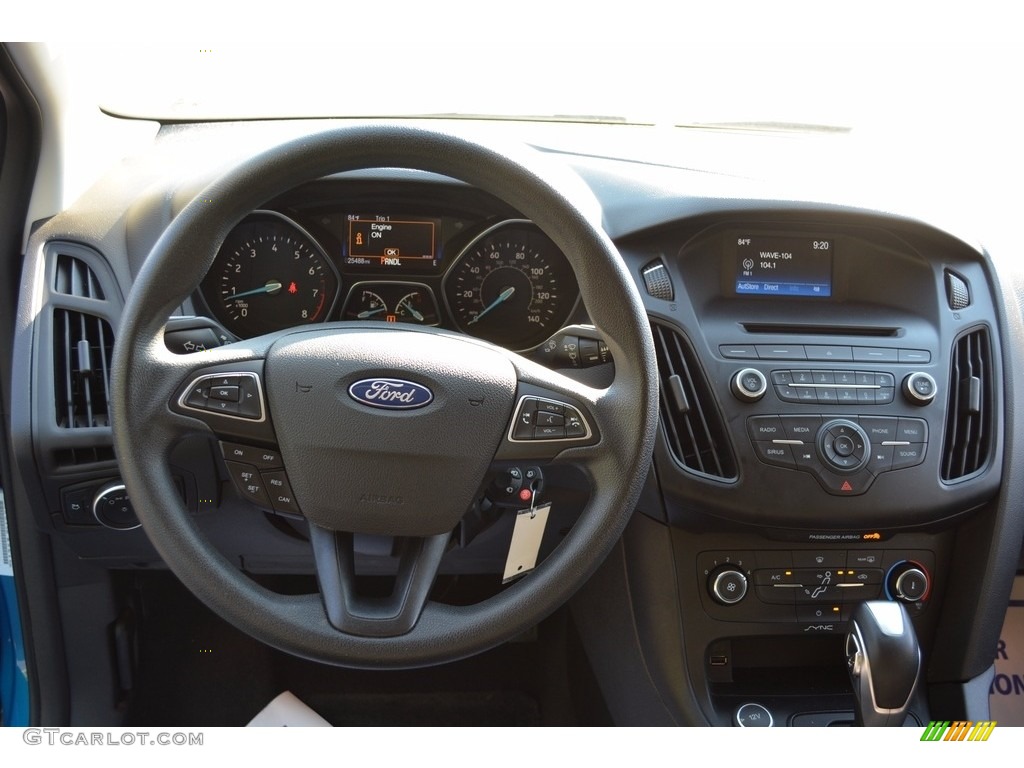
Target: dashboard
834	421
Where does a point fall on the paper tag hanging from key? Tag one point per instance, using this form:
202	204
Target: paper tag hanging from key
526	538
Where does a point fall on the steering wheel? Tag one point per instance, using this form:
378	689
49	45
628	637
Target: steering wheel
409	470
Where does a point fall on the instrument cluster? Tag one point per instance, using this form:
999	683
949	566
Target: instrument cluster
500	280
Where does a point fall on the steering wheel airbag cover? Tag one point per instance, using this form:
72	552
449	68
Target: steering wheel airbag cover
395	472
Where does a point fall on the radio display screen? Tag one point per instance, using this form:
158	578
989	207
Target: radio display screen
783	265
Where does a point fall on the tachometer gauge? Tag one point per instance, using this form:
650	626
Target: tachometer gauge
511	286
270	274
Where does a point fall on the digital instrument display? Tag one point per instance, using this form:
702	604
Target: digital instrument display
400	243
784	265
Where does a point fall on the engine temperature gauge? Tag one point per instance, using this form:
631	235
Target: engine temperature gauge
391	303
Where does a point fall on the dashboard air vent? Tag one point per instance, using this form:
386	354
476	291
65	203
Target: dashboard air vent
73	277
969	420
83	345
693	426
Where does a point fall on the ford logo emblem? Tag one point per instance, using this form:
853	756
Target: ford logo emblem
394	394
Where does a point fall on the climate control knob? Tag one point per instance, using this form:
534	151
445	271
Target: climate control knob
727	585
908	582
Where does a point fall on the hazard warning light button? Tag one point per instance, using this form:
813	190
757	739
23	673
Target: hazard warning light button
845	485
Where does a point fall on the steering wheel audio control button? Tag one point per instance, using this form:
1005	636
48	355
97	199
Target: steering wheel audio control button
541	419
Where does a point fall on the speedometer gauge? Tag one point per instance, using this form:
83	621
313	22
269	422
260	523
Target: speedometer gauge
511	286
269	274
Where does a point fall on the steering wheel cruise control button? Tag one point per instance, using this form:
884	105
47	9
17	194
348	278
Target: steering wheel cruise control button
261	458
248	482
281	497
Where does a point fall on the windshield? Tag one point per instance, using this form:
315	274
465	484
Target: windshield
823	83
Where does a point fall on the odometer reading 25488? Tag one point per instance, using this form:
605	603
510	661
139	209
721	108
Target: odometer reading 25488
511	286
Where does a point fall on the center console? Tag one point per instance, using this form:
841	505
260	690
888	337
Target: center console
830	413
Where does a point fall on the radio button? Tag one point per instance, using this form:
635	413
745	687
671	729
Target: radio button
765	428
828	352
827	396
801	427
771	453
905	456
912	431
879	428
880	459
875	354
846	395
786	393
780	352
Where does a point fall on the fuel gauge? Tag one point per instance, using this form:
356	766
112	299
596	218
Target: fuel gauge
364	304
392	303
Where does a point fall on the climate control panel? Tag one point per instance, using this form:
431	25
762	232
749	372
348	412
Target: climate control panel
819	588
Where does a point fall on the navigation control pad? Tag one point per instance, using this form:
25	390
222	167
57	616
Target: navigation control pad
845	453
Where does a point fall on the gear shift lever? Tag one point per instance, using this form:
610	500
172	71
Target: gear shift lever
884	660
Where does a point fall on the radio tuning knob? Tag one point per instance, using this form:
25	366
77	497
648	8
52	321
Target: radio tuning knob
919	388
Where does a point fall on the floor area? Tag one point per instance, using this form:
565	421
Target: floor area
1006	695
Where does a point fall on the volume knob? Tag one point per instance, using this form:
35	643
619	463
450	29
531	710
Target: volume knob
749	385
